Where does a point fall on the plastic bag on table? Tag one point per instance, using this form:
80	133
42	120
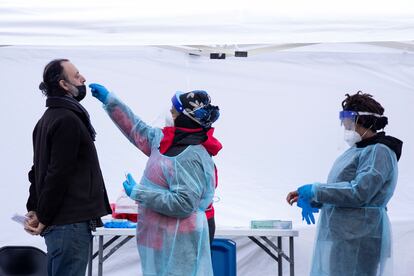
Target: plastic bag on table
125	208
120	223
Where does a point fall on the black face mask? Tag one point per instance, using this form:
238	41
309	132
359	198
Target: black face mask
81	92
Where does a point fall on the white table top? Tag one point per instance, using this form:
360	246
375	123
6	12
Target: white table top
220	232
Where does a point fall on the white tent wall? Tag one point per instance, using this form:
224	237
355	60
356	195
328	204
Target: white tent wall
279	127
189	22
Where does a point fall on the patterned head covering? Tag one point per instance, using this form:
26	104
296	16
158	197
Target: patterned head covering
197	106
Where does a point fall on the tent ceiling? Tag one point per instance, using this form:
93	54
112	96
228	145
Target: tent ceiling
217	51
184	22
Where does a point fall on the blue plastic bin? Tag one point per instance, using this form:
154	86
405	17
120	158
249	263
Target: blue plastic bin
224	257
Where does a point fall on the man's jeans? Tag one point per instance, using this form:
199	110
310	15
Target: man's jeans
68	249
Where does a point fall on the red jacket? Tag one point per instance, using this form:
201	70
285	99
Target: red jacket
210	208
212	145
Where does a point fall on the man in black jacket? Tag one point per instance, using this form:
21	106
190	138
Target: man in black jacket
67	191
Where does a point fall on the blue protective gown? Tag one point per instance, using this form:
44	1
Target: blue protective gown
172	230
353	234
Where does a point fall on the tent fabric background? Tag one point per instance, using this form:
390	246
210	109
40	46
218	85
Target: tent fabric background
188	22
279	127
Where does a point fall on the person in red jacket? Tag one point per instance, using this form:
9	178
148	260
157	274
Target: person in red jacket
188	131
177	185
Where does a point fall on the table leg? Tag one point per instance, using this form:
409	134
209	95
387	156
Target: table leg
291	257
100	259
262	246
279	263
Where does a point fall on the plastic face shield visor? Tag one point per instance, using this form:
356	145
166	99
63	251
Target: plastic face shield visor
349	118
177	103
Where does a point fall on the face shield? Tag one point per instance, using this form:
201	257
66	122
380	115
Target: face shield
177	102
163	117
348	119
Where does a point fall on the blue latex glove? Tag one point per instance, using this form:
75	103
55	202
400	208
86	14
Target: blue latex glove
306	192
128	184
99	92
307	210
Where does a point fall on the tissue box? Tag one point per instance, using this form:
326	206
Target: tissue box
271	224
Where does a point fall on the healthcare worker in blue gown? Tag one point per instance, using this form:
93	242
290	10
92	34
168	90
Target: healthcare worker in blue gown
354	232
177	185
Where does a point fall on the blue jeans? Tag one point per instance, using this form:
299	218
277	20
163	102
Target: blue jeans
68	249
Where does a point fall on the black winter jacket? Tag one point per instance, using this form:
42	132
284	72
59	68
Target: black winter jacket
66	180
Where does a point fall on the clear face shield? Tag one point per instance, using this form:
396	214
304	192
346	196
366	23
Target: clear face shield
163	117
348	119
170	111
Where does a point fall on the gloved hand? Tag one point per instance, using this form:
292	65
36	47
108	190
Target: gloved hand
307	210
128	184
306	192
99	92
